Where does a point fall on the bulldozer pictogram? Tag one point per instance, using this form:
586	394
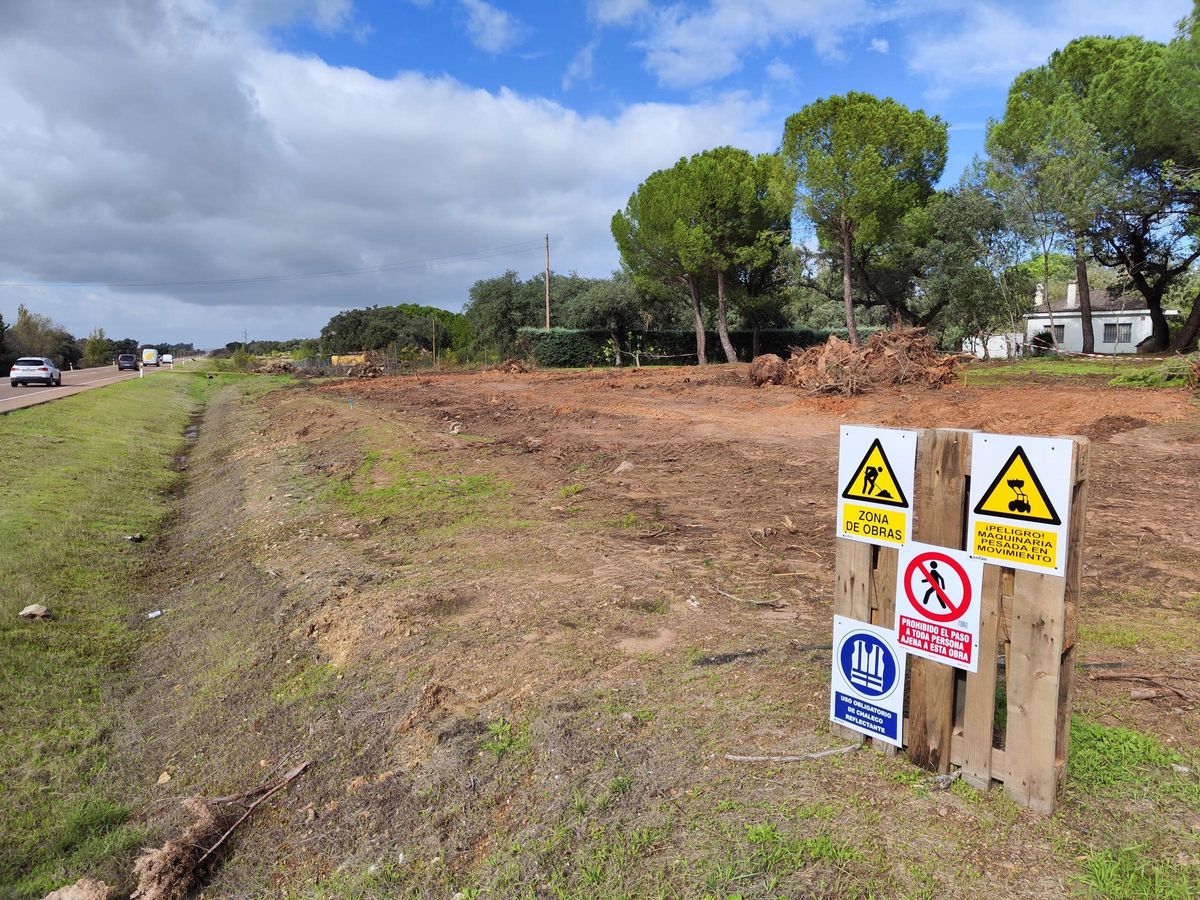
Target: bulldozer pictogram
1021	503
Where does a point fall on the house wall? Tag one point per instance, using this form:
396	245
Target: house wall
1072	341
999	346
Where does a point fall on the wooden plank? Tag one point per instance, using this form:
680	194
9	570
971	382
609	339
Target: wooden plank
1034	675
980	708
853	595
1078	524
883	586
883	609
852	598
1081	464
943	458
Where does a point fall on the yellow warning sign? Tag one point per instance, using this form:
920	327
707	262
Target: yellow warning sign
1014	544
873	525
1017	493
875	481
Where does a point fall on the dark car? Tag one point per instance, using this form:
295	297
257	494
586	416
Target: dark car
127	361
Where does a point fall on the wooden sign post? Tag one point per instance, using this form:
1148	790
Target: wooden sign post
1027	618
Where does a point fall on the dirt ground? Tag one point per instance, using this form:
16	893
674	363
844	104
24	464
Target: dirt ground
517	621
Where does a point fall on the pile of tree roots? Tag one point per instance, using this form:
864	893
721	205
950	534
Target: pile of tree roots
900	356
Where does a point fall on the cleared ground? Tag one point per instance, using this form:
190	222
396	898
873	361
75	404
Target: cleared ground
517	670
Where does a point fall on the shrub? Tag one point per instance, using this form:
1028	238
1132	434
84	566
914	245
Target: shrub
579	348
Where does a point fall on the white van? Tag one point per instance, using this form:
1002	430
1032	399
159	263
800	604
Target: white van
149	357
167	359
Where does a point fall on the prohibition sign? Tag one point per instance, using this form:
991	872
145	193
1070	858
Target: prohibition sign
924	564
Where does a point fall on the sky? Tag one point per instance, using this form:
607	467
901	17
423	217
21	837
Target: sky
204	170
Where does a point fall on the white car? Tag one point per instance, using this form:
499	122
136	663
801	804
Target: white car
167	359
34	370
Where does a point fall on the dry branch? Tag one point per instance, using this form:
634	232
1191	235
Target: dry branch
740	757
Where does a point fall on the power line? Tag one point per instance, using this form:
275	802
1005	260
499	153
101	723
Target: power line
488	253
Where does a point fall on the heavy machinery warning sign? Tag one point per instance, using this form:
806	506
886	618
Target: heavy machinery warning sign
875	472
1020	497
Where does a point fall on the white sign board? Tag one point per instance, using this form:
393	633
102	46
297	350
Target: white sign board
1020	501
938	592
875	485
867	687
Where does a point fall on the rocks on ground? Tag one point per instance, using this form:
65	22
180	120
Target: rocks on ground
34	611
83	889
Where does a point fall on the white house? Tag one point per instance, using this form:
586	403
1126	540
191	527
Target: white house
996	346
1119	324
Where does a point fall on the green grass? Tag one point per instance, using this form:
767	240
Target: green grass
1127	873
1172	373
311	680
1003	371
80	474
396	485
1107	759
1124	636
1115	765
506	737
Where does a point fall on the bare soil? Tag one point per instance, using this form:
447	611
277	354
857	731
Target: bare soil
518	669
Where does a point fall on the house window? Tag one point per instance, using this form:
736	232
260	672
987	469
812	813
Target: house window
1060	333
1118	332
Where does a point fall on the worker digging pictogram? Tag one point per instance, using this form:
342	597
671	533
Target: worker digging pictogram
875	481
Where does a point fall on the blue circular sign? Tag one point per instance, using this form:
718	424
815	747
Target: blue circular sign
868	665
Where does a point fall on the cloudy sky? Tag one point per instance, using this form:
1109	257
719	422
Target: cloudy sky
192	170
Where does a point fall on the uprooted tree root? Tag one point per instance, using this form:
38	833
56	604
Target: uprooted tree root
169	872
900	356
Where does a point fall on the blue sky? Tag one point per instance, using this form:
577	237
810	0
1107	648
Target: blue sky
422	144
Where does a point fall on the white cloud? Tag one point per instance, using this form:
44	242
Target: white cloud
490	28
878	45
687	47
153	146
582	66
993	42
780	72
618	12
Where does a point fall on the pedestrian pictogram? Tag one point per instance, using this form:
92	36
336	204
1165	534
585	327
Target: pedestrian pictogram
875	472
1020	501
875	481
937	613
1017	493
868	680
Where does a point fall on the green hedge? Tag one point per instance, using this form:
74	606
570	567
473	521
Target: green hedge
579	348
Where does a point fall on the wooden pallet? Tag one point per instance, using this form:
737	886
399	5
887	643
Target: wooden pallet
1028	620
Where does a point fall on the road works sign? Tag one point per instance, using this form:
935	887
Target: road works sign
868	680
875	474
1020	500
937	604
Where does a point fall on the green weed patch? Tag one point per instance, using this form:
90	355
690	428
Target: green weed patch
80	474
393	485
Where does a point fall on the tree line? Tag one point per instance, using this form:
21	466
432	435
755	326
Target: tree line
1092	175
34	334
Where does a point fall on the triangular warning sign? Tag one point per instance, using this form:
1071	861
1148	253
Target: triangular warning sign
875	481
1017	493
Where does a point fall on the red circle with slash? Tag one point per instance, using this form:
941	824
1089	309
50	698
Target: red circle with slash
920	564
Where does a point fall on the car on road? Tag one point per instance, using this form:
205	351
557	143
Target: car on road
149	357
167	359
34	370
127	361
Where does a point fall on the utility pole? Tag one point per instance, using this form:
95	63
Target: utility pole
434	320
547	282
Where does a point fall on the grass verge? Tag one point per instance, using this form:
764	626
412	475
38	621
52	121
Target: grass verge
81	473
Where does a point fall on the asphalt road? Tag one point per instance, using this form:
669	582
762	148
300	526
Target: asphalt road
75	382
